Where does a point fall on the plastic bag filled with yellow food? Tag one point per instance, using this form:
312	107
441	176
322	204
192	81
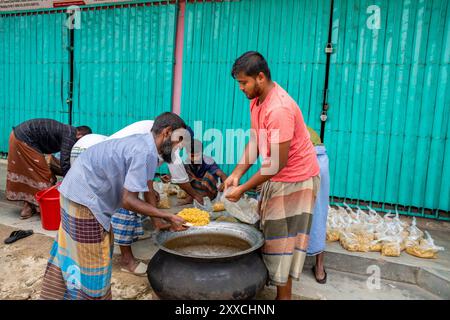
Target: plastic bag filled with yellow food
334	228
170	189
349	241
333	235
392	246
195	216
375	246
182	194
425	249
164	202
218	204
414	235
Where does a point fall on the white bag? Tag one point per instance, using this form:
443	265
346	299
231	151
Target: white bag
245	210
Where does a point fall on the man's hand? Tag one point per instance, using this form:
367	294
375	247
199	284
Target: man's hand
206	185
235	194
177	223
160	224
231	181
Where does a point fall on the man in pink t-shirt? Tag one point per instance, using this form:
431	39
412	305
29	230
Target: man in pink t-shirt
289	173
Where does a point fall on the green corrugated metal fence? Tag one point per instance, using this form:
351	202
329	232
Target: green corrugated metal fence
292	36
387	132
123	64
33	70
388	128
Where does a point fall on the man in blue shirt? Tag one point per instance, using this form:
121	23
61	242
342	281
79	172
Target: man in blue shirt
107	176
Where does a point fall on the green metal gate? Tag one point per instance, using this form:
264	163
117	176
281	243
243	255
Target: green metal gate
123	65
388	128
33	69
291	34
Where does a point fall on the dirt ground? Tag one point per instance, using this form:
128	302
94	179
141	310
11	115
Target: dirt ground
23	265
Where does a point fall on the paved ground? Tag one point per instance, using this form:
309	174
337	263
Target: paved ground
402	278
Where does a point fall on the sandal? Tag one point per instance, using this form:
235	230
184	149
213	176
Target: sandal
140	270
17	235
321	281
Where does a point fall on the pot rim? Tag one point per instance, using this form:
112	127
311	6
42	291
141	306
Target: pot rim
233	229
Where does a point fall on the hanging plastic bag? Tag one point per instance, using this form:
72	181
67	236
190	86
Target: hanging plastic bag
218	204
245	210
426	248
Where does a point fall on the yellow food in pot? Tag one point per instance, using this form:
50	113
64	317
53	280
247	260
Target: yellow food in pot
195	216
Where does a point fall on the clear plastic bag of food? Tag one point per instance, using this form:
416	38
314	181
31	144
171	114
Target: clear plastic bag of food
181	194
164	201
362	231
333	228
376	246
218	204
414	231
397	220
392	246
171	189
425	249
374	217
363	217
349	241
245	210
353	215
414	235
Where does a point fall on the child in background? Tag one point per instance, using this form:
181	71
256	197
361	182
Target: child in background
203	171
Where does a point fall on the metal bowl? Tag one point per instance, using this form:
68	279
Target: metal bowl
240	231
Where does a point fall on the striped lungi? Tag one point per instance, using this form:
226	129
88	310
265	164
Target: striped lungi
286	215
127	227
27	172
80	263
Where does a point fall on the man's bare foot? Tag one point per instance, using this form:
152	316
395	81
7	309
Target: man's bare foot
134	266
27	211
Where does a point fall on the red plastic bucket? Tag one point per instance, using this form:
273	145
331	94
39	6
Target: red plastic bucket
48	200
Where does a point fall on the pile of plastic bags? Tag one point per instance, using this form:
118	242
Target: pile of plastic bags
359	231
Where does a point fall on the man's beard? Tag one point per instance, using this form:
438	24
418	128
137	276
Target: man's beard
166	152
256	92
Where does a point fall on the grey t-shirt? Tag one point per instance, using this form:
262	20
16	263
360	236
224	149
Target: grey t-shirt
98	177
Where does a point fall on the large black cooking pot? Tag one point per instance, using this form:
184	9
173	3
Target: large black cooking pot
219	261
